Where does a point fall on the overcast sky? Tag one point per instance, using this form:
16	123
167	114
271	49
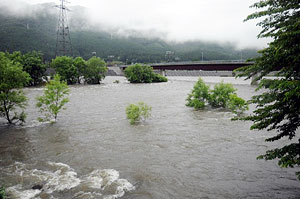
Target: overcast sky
179	20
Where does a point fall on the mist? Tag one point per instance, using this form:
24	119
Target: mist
171	20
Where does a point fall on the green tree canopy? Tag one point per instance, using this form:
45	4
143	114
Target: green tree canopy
64	66
12	78
34	65
80	65
95	70
278	106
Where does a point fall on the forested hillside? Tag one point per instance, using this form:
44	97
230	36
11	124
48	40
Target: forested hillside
38	32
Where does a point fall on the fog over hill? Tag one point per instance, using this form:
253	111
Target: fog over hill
26	27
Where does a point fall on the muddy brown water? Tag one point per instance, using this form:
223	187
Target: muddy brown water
93	152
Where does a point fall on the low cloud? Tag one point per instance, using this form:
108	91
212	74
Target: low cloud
173	20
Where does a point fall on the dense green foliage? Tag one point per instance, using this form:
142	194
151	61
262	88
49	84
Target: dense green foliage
199	95
278	106
2	193
95	70
159	78
139	74
142	74
72	70
32	63
53	99
12	78
80	65
26	33
222	96
138	112
64	66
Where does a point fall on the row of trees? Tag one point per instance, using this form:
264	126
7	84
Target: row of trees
77	70
72	70
12	99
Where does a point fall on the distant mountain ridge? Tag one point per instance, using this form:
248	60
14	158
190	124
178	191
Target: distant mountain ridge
36	30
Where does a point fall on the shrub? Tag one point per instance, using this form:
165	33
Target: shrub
137	112
159	78
236	104
142	74
222	96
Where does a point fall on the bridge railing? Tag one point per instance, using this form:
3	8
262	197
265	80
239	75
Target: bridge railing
202	62
241	62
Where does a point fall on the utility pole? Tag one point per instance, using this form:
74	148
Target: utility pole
202	55
63	40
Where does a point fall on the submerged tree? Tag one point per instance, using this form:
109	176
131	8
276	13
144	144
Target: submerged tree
12	78
222	96
199	95
143	74
53	99
278	107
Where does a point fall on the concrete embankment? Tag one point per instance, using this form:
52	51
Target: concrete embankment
198	73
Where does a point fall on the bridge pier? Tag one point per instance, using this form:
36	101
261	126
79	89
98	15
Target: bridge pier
161	72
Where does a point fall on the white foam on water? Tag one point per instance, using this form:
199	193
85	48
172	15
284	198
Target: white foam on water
99	179
17	192
61	177
122	186
108	181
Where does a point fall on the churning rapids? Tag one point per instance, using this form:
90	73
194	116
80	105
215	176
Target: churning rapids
93	151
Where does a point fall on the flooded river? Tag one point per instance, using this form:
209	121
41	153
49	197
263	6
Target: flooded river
93	151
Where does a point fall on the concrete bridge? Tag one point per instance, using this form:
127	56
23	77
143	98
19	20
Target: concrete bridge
219	65
202	65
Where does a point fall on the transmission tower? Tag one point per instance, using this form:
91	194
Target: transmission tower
63	40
